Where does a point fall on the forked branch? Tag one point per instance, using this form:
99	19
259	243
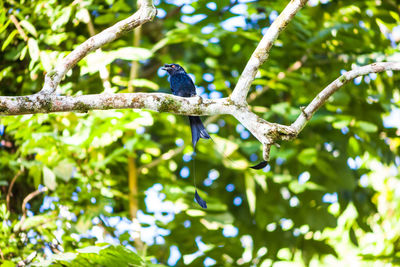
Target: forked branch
323	96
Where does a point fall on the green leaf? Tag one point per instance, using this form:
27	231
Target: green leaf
92	249
308	156
62	19
8	264
354	146
122	81
105	19
8	40
130	53
4	27
64	170
33	49
223	218
49	178
29	27
145	83
45	221
211	62
99	255
261	180
46	61
224	146
83	15
250	192
282	178
341	124
367	126
23	53
298	188
101	58
68	256
353	237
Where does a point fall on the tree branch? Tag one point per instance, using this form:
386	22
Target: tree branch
261	53
28	198
19	28
145	13
323	96
9	192
32	104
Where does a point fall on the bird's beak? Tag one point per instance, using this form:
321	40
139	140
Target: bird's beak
166	67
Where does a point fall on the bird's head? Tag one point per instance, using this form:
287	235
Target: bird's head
173	69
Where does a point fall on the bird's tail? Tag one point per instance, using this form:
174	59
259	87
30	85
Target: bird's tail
198	130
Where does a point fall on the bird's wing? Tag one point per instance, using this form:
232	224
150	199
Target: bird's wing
182	85
192	86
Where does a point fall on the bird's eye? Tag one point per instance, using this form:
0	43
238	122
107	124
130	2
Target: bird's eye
173	66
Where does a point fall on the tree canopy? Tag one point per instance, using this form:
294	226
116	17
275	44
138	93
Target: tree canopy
108	187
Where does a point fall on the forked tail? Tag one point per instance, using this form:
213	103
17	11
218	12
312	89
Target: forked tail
198	130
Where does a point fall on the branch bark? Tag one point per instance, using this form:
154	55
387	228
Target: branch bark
32	104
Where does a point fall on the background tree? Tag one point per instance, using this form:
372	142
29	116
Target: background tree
72	180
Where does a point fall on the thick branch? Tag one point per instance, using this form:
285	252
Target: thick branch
32	104
261	53
267	133
323	96
146	13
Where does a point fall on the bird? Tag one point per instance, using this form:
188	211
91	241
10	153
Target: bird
182	85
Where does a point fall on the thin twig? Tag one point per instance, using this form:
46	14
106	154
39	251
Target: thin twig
30	196
27	199
9	193
19	28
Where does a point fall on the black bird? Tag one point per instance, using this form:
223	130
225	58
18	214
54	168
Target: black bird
182	85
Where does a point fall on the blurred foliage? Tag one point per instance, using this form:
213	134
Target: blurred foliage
331	196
